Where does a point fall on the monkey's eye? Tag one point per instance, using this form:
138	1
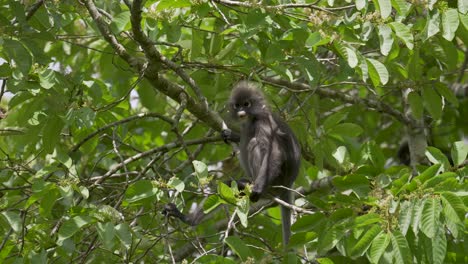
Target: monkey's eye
236	105
247	104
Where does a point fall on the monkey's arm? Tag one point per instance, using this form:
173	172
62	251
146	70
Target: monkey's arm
192	219
264	165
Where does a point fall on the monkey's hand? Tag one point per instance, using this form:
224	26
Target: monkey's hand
254	196
170	209
226	135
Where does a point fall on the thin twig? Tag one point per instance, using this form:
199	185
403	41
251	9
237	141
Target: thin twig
116	123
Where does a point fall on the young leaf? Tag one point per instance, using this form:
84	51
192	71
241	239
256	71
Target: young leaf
385	7
201	170
432	25
226	193
401	6
418	207
459	152
450	23
377	72
404	33
405	216
385	39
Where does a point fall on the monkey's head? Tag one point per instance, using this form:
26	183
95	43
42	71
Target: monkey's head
247	101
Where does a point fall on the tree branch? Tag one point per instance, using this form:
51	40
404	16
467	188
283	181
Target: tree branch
333	94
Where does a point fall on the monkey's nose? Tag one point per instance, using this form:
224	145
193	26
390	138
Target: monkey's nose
241	114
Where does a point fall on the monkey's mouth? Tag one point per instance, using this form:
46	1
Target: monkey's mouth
241	114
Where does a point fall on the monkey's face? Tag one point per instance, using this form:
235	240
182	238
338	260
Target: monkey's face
242	109
246	103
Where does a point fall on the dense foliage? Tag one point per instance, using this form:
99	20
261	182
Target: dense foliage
112	109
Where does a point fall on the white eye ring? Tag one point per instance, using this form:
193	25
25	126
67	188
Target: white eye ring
247	104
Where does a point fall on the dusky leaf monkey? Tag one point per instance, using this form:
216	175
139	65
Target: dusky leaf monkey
269	151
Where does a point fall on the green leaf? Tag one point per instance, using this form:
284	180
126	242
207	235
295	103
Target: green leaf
346	129
438	179
454	208
367	219
462	6
301	238
405	216
459	152
438	246
170	4
377	72
329	237
450	23
340	154
430	217
124	234
385	39
51	133
17	52
14	220
177	184
418	207
238	246
351	57
360	4
403	32
71	226
308	222
201	170
401	250
432	25
273	54
378	247
401	6
48	201
385	7
437	157
365	241
447	93
427	174
334	119
226	193
211	203
432	102
106	232
230	50
139	191
47	79
416	105
120	21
